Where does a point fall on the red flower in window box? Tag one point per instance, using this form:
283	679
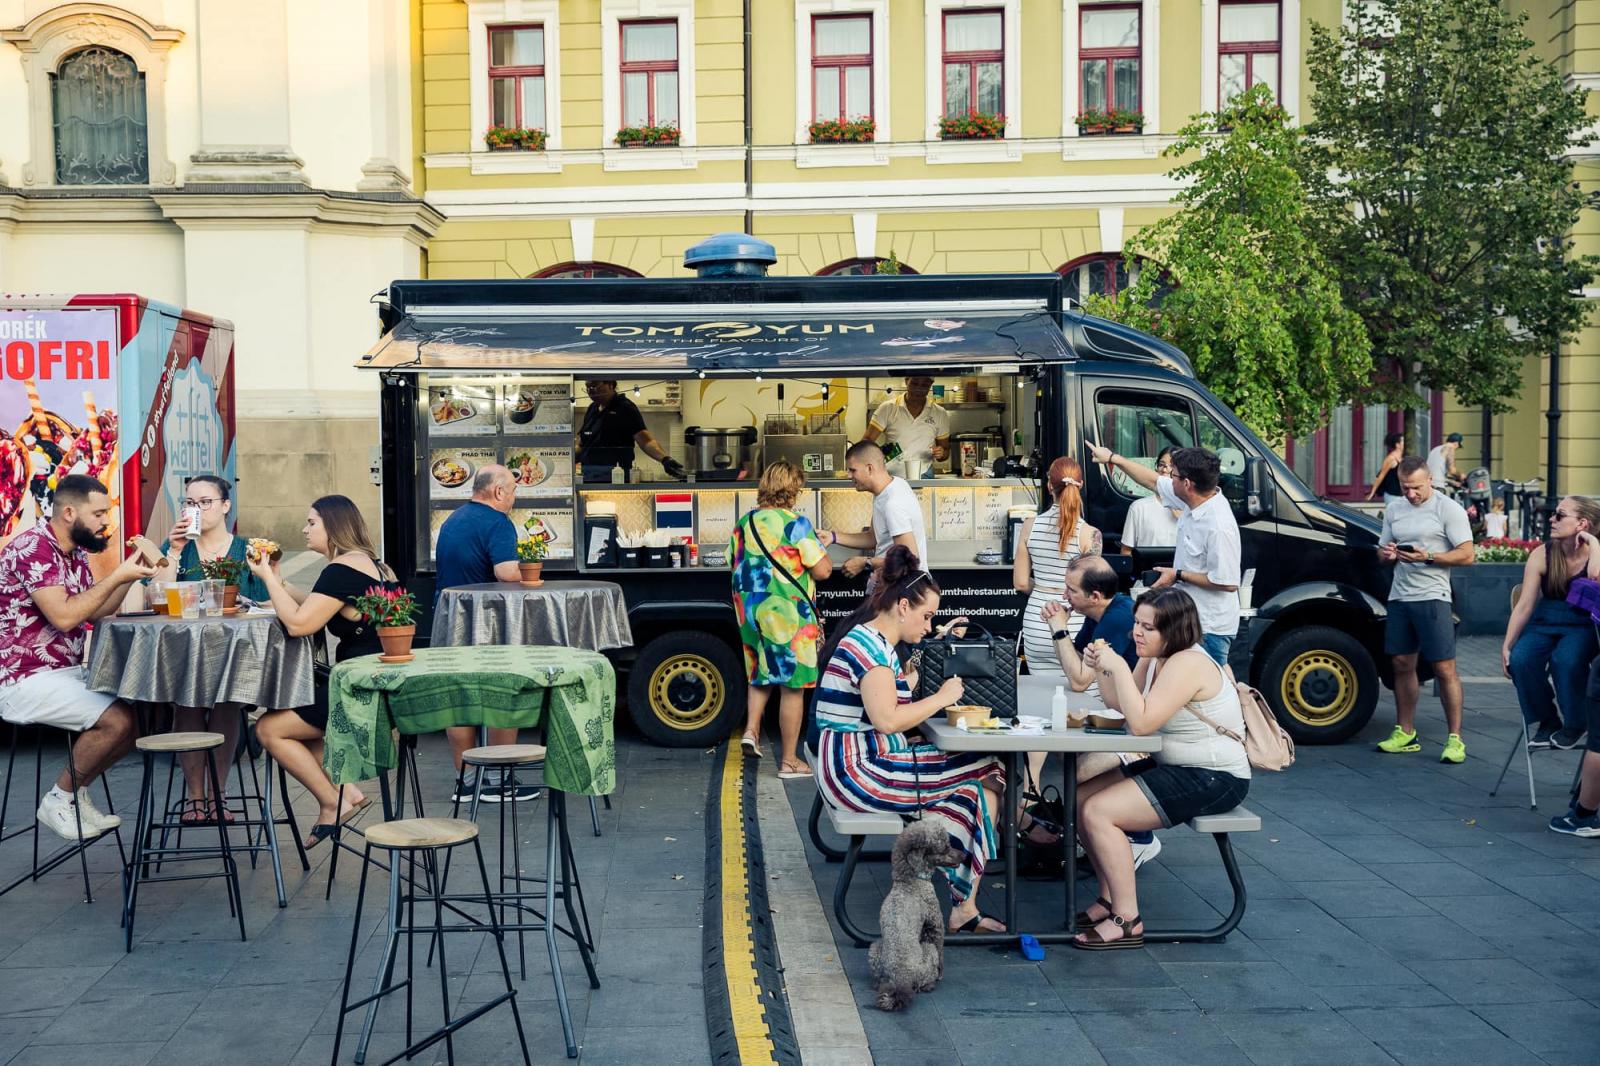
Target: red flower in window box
862	130
973	126
512	138
648	136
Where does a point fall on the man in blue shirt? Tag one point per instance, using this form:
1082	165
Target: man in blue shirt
477	545
1107	615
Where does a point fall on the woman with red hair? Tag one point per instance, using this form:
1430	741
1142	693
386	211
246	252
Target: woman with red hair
1050	541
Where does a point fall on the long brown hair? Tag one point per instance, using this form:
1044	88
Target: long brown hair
346	530
1556	579
1064	478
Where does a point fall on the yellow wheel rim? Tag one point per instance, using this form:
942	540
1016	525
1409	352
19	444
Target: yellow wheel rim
1319	688
686	692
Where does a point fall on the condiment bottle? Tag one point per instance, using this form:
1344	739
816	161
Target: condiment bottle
1058	709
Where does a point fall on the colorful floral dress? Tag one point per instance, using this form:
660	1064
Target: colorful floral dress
777	625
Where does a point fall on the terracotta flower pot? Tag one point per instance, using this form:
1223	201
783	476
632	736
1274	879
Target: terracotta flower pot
396	641
230	597
531	574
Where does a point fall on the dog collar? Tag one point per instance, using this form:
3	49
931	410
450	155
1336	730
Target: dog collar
925	877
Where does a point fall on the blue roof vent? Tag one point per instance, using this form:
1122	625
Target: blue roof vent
731	255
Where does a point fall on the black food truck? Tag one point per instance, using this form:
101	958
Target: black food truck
729	372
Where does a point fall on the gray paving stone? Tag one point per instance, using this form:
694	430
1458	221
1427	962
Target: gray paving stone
1433	878
1004	1040
1218	1055
1226	986
1473	982
1367	848
1561	892
1422	938
1279	919
110	1054
1363	899
1312	1036
1345	959
1172	1032
1386	997
151	1016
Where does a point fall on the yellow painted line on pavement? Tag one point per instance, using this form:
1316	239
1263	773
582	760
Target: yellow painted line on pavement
738	943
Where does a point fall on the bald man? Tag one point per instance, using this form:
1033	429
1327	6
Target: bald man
477	545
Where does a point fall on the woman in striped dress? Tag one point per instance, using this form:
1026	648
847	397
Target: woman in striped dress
1050	541
865	760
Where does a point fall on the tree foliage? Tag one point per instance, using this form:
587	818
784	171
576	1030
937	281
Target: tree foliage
1436	158
1256	305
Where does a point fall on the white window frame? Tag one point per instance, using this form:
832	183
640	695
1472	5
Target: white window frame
1288	56
804	12
1149	62
933	63
613	13
485	14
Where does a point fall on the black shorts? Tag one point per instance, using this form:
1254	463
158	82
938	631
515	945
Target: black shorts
1422	627
316	715
1179	793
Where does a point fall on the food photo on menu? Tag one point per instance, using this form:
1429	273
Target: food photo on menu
544	468
460	409
451	470
537	407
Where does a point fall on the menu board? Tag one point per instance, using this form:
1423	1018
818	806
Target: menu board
541	471
991	507
537	407
557	522
925	498
952	514
460	410
451	470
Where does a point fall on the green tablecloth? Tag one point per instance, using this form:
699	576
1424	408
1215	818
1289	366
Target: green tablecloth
499	686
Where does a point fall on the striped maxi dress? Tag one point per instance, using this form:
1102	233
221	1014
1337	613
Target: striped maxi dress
862	769
1049	573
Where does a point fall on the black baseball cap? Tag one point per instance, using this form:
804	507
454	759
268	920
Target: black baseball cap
1454	438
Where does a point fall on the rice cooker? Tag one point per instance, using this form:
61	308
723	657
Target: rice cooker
721	454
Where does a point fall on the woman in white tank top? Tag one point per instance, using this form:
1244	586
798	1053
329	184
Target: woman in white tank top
1199	770
1050	541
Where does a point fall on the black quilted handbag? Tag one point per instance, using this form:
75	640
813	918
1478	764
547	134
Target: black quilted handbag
985	663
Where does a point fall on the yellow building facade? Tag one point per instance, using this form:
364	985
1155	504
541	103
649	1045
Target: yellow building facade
1046	196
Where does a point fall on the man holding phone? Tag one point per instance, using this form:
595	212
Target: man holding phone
1424	533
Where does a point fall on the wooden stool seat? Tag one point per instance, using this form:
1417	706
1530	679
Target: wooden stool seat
407	833
180	742
504	755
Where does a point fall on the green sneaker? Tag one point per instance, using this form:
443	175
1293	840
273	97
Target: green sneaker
1454	750
1400	741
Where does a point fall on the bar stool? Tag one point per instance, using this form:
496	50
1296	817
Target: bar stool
138	869
78	848
430	836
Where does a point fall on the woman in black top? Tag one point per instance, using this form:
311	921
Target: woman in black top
294	737
1388	479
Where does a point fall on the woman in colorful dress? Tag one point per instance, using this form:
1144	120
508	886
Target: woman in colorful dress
777	560
867	763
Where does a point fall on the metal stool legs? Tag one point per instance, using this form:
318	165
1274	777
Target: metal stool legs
1523	741
78	847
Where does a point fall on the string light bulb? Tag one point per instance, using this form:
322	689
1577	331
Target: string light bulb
824	390
636	390
702	375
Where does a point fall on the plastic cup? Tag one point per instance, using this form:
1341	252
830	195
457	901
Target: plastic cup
155	596
175	599
191	597
214	596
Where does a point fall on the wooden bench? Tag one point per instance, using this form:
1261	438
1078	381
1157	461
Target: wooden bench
1238	820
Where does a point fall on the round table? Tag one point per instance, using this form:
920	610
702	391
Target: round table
201	662
570	614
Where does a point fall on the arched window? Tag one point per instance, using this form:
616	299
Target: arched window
847	267
587	270
97	99
1106	274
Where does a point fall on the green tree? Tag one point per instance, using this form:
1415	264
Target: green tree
1256	306
1436	155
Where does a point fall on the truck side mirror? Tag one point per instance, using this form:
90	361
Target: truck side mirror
1260	490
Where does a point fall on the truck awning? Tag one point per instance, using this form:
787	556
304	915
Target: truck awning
627	341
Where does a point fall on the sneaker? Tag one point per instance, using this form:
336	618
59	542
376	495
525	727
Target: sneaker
1143	853
103	822
514	792
1454	750
1399	741
1567	739
59	815
1572	825
462	793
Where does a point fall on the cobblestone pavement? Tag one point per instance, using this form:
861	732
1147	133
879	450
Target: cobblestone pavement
1396	913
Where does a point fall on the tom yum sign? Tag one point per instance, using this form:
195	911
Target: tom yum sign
47	345
729	331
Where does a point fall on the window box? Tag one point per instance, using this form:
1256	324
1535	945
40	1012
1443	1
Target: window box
648	136
1101	122
512	139
843	131
974	126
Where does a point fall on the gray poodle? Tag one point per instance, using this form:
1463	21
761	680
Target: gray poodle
909	957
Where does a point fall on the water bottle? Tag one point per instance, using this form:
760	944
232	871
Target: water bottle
1058	709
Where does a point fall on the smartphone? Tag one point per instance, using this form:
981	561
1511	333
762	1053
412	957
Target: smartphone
1103	731
1406	547
1149	577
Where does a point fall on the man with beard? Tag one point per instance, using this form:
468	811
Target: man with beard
47	598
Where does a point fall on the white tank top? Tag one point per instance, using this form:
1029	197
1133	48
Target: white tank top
1188	741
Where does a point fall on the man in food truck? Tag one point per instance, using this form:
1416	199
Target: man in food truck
912	428
611	427
896	514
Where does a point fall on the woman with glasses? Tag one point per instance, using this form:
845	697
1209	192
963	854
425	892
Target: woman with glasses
1150	523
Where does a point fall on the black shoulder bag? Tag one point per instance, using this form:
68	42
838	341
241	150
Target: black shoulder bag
986	664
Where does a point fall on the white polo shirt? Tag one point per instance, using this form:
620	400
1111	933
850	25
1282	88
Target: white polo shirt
1208	543
895	510
915	434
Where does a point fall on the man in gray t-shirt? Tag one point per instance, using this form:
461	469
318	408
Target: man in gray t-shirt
1424	533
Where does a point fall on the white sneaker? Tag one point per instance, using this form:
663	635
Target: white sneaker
1143	853
59	815
94	815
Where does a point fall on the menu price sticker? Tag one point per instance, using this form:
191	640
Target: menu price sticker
451	470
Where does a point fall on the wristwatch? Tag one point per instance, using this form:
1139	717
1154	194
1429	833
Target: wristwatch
1060	634
1427	558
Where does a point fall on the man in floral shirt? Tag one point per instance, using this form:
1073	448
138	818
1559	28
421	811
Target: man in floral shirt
47	598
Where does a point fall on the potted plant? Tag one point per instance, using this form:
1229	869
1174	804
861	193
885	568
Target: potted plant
1126	121
393	612
1093	121
973	126
531	551
228	571
843	131
647	136
513	138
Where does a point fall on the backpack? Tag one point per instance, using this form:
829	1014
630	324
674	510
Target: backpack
1266	743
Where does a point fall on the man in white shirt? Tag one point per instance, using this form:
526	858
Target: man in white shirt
1442	462
896	514
919	426
1206	561
1151	523
1424	534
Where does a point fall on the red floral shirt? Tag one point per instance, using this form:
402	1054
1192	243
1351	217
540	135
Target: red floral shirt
29	644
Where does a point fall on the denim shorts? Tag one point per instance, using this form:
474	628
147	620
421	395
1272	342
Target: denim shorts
1424	626
1217	646
1179	793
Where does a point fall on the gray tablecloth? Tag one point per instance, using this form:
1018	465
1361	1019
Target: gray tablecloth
571	614
202	662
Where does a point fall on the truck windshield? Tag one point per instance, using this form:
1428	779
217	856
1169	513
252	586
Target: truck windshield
1140	425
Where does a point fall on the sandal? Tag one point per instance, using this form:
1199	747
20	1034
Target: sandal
1093	941
971	925
323	830
751	745
1085	922
196	812
794	771
212	807
1052	832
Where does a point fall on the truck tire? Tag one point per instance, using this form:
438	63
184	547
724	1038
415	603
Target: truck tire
684	688
1321	682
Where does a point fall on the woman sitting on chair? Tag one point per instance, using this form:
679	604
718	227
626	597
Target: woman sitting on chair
334	528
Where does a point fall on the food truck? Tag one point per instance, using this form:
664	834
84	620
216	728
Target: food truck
129	390
734	369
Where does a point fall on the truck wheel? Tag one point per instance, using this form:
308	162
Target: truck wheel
1321	682
683	689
